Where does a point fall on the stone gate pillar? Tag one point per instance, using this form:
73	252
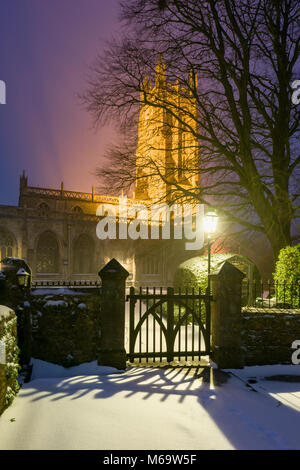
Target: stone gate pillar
226	285
112	320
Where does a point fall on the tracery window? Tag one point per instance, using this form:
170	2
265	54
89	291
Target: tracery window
6	245
43	209
47	254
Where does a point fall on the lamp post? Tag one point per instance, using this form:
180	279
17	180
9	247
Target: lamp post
210	226
24	319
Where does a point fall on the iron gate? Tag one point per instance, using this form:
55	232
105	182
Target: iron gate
165	324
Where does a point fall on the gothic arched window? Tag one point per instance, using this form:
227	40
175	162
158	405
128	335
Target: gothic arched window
83	255
43	209
47	254
77	210
6	245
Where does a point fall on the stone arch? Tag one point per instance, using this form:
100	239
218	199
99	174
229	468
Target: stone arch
83	254
193	272
8	246
47	253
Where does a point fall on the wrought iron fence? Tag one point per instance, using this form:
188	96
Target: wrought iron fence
271	294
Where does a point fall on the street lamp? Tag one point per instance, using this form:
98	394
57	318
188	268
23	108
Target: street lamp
23	278
24	320
210	226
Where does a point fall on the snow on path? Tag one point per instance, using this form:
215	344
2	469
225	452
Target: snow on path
144	408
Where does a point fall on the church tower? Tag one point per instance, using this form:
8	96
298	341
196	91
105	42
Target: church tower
167	145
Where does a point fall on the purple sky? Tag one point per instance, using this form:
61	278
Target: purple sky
46	47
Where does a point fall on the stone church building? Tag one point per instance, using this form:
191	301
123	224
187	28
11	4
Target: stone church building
54	230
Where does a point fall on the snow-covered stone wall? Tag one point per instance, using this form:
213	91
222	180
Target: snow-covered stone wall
268	334
65	328
9	353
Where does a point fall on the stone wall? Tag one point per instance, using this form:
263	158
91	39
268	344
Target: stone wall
9	367
65	328
267	335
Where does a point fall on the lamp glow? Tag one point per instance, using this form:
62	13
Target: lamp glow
210	222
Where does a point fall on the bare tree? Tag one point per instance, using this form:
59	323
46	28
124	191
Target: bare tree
240	112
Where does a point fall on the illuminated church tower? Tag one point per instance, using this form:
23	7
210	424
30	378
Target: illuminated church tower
167	145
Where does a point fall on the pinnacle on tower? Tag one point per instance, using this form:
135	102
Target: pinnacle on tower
146	85
193	80
145	88
160	74
23	180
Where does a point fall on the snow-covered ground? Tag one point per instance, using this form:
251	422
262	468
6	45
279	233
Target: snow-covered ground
91	407
285	390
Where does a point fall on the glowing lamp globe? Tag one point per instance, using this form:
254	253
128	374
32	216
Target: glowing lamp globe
210	222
